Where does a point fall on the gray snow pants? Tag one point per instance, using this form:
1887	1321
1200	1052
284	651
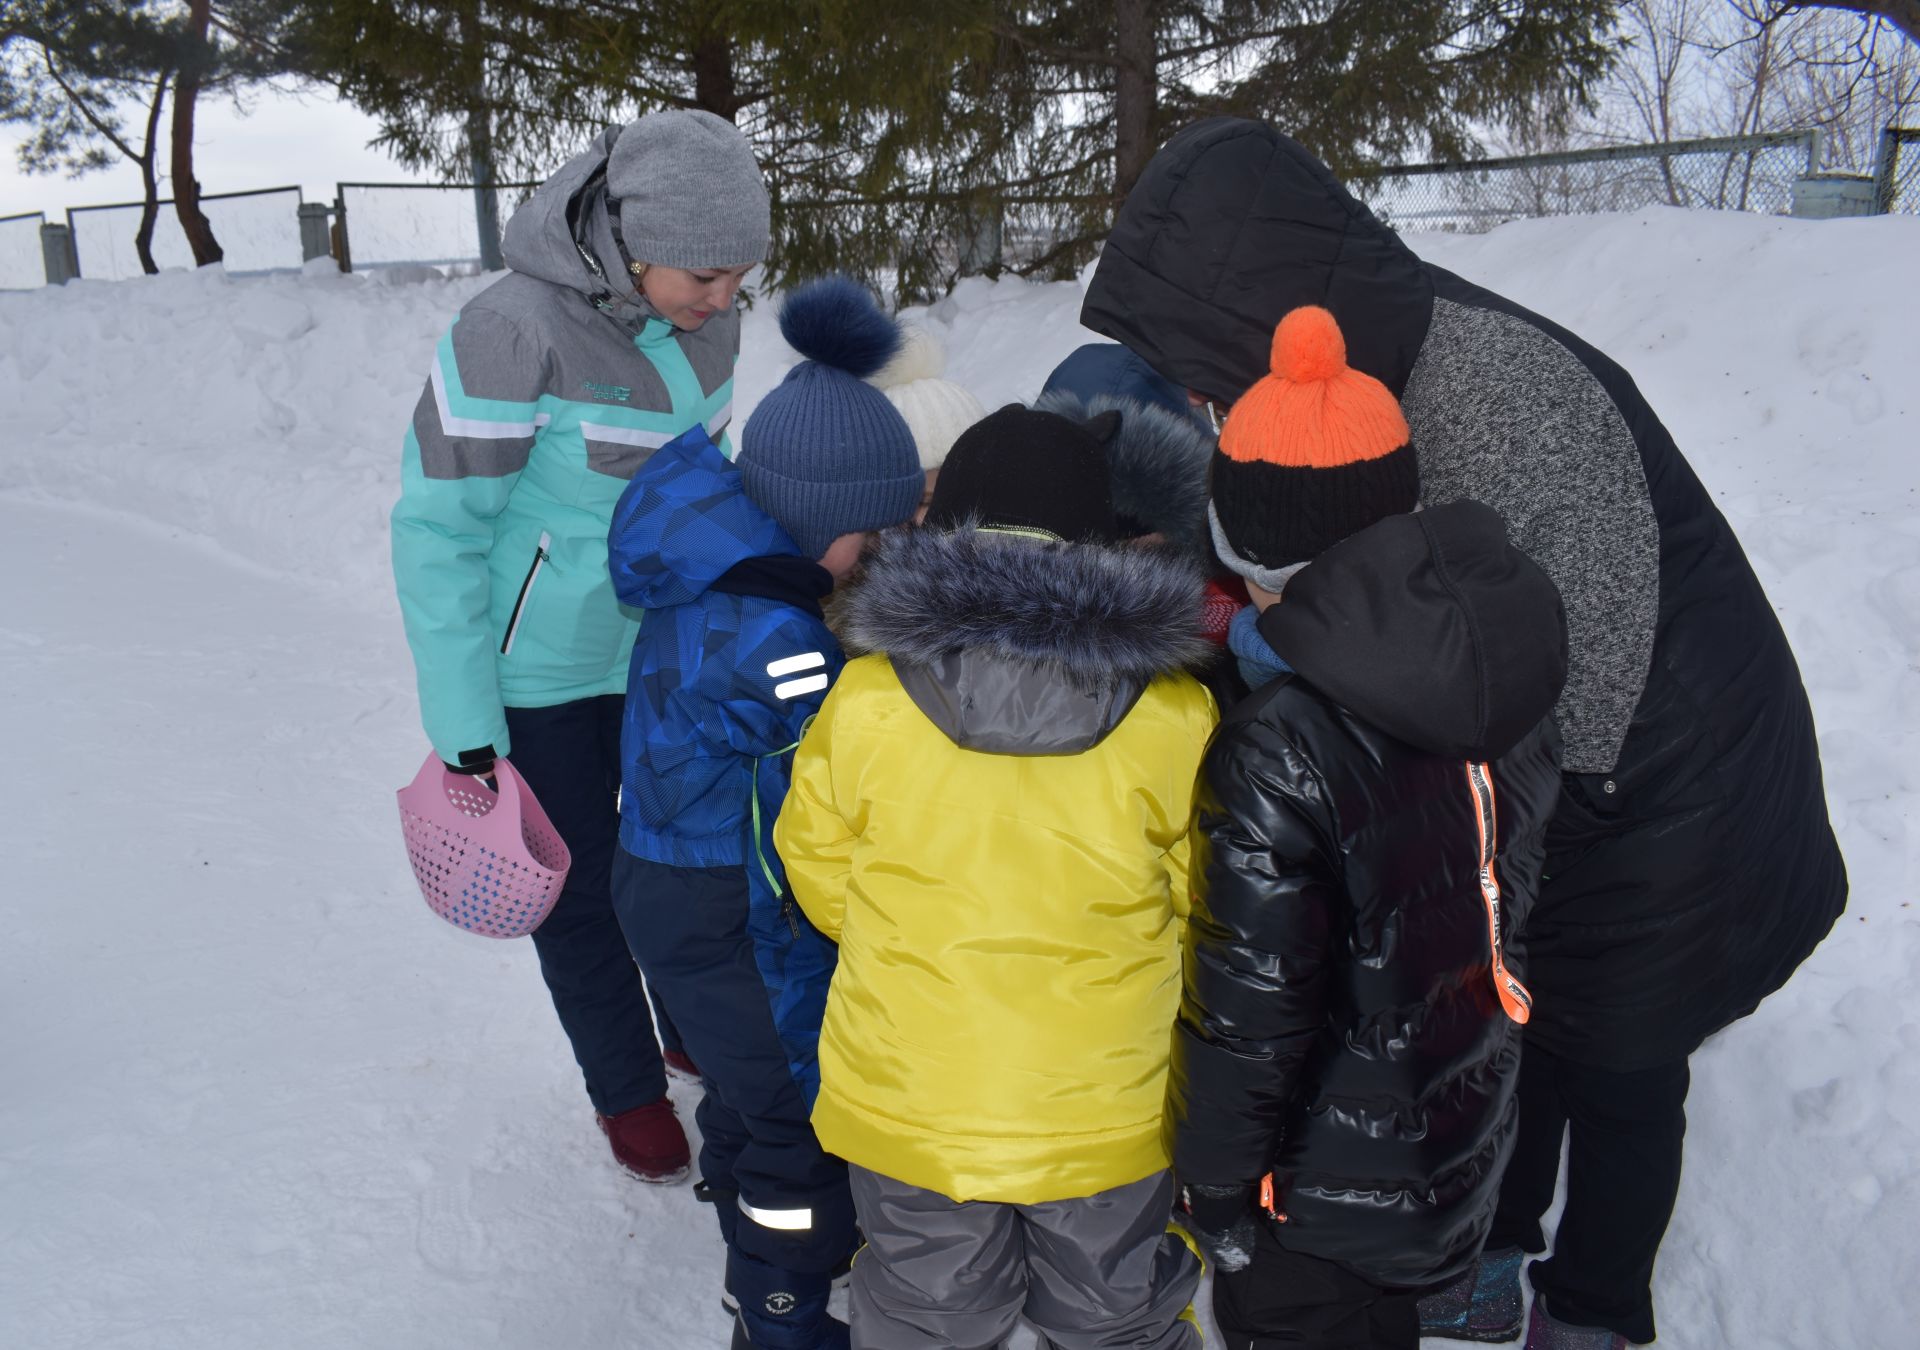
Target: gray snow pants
941	1274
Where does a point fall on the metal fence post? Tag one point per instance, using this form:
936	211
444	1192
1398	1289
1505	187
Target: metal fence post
342	247
486	212
57	254
313	231
1884	166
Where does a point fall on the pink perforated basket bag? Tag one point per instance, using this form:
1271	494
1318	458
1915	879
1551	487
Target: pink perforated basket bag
487	862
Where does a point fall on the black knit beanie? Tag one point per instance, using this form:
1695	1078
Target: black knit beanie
1018	469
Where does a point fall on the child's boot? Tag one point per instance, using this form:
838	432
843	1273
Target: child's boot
649	1142
1546	1332
781	1309
838	1336
1482	1305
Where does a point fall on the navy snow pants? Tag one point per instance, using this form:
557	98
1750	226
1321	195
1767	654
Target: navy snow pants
570	756
784	1206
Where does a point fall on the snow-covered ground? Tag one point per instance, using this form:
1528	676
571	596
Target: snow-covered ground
253	1093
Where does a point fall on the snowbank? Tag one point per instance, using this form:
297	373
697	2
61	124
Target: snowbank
264	416
266	412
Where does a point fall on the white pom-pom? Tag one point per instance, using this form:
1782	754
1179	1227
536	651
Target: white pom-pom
921	357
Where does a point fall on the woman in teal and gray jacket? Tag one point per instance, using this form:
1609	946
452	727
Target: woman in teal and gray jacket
613	332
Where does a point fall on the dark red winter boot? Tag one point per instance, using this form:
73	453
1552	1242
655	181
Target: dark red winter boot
649	1142
681	1066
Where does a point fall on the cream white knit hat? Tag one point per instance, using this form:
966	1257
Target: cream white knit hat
936	410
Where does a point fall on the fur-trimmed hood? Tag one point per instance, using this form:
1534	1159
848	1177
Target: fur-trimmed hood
1017	646
1158	461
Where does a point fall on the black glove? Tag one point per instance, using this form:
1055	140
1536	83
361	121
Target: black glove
1221	1219
477	763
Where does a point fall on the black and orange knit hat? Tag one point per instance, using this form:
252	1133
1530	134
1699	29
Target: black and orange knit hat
1314	452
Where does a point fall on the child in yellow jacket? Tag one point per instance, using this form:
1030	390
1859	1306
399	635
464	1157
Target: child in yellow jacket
991	815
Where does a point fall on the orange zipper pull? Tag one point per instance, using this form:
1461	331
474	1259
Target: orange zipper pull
1266	1199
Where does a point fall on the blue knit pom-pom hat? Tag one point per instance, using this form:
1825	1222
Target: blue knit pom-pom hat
825	453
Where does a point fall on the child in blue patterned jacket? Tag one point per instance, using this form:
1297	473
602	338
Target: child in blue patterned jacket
731	562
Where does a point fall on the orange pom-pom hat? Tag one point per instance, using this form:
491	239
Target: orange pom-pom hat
1314	452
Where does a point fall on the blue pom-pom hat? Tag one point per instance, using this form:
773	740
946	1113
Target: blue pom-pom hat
825	453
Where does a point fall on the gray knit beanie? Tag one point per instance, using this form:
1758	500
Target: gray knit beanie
689	192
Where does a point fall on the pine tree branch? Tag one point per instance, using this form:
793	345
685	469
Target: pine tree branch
1230	41
1023	39
101	128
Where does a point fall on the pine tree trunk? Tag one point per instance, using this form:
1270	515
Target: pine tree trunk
186	91
149	181
714	87
1136	92
486	196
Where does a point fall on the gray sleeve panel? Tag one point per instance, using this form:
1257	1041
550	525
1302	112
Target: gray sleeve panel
500	356
479	418
447	457
1502	413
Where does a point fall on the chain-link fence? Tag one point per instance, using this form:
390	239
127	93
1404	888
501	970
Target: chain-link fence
21	266
259	232
435	224
439	224
1897	174
1734	173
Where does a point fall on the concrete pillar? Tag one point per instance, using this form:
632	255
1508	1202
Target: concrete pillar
314	233
1827	196
57	254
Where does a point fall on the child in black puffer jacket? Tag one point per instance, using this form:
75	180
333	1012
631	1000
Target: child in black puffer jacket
1349	1040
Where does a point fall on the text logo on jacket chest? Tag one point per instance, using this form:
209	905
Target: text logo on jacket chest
608	393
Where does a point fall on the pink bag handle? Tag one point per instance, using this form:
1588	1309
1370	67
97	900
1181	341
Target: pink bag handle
433	800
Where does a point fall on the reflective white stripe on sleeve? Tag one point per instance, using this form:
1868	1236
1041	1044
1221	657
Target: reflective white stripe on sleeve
788	665
787	1220
810	684
473	428
611	435
718	422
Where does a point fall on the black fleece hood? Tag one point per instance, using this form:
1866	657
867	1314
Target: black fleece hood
1432	627
1231	226
1158	462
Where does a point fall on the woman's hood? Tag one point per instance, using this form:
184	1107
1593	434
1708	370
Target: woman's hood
566	214
1017	646
1431	626
1231	226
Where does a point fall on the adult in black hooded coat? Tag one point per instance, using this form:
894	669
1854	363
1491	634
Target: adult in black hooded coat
1691	866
